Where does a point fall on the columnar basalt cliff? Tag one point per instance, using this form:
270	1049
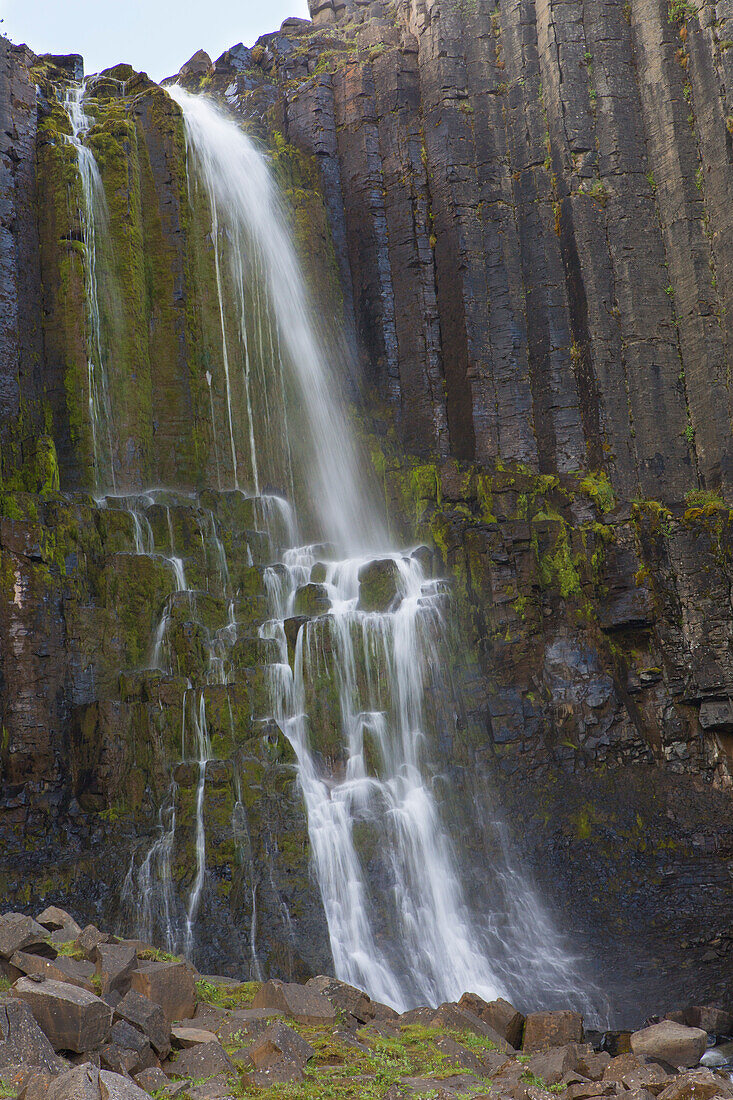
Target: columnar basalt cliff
521	216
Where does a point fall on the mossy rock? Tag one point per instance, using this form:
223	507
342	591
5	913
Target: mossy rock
311	600
378	585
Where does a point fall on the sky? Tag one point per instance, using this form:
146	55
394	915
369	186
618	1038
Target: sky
155	36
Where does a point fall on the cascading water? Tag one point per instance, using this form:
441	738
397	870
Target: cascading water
400	922
94	220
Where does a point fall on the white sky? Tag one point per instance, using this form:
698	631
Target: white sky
155	36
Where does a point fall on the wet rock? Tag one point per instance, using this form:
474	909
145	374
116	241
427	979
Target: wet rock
147	1017
277	1044
21	933
378	585
344	997
71	1018
168	984
551	1029
673	1043
711	1018
74	971
23	1041
307	1006
311	600
499	1015
714	1059
202	1060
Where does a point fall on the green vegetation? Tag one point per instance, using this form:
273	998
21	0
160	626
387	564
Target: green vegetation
599	489
226	996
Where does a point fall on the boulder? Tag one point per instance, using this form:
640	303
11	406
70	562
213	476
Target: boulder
37	1085
551	1029
22	1041
280	1043
115	964
378	585
89	940
651	1077
552	1065
246	1023
308	1006
499	1015
697	1084
74	971
203	1060
56	920
458	1055
184	1037
344	997
279	1073
119	1059
147	1017
78	1083
72	1018
168	984
152	1080
21	933
672	1043
113	1086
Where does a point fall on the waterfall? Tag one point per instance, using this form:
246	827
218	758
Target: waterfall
401	921
94	220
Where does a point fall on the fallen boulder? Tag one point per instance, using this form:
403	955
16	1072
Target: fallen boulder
551	1029
89	940
673	1043
379	585
147	1017
499	1015
77	1083
113	1086
22	1042
344	997
697	1084
297	1001
280	1043
21	933
72	1018
115	964
74	971
203	1060
168	984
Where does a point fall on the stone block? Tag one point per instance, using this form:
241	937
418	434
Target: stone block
168	984
21	933
72	1018
551	1029
499	1015
147	1017
296	1001
672	1043
22	1041
279	1042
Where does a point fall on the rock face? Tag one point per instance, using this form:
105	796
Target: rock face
523	215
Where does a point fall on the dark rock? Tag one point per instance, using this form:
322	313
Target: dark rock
73	971
714	1020
277	1044
184	1037
344	997
697	1084
71	1018
310	600
115	964
202	1060
89	940
148	1017
22	1041
452	1016
79	1083
113	1086
168	984
498	1014
21	933
58	920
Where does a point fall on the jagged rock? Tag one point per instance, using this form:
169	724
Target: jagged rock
297	1001
673	1043
21	933
168	984
277	1044
697	1084
147	1017
36	1085
499	1015
249	1022
652	1078
279	1073
23	1041
378	585
152	1080
450	1015
202	1060
71	1018
115	964
58	920
344	997
458	1055
89	940
60	969
551	1029
119	1059
552	1065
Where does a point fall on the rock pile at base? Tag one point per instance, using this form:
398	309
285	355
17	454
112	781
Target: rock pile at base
87	1016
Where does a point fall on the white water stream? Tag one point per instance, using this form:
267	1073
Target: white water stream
402	922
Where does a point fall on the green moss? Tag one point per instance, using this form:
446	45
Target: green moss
599	489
